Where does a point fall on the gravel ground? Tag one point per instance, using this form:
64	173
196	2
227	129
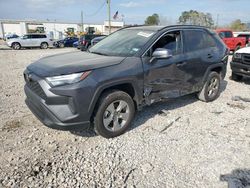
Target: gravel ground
179	143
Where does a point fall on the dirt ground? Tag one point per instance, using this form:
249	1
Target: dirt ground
179	143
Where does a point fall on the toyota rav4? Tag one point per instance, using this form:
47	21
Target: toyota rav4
127	70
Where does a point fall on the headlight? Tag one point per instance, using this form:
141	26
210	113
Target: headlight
67	79
237	56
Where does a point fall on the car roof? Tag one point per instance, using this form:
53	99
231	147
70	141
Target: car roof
159	28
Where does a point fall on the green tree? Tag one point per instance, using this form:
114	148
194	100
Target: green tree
152	20
194	17
237	25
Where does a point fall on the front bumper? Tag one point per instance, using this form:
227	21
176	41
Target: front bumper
240	68
55	111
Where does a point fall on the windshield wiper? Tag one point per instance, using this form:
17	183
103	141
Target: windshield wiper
99	53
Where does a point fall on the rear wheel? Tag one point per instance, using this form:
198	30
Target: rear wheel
44	45
211	88
16	46
236	77
114	114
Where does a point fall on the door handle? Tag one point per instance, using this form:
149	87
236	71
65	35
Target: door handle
209	56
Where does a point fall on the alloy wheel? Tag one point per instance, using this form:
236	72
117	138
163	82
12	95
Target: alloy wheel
116	115
213	87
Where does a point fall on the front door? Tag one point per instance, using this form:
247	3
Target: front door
26	41
164	77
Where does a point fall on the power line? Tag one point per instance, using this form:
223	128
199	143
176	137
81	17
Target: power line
97	11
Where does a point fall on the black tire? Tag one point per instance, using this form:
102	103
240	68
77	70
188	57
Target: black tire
16	46
236	77
44	45
211	88
108	99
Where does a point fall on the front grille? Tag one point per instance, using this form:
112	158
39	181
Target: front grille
246	58
33	84
36	88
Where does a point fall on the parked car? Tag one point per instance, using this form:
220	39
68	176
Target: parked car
11	36
67	42
240	64
96	40
246	35
75	44
85	41
127	70
30	40
233	43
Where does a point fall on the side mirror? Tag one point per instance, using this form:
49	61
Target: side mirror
161	53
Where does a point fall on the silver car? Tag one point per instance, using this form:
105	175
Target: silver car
30	40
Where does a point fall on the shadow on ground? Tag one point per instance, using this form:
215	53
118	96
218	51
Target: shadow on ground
149	112
239	178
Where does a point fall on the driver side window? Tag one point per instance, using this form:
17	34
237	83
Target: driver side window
171	41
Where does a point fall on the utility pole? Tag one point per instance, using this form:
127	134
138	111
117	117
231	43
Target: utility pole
81	21
217	21
109	15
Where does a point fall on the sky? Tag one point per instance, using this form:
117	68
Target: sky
132	11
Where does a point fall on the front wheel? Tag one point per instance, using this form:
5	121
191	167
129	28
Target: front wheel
211	88
16	46
115	113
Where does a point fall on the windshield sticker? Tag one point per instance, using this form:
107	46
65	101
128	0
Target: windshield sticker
143	34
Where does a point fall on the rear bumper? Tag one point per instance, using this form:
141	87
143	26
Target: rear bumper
50	115
240	69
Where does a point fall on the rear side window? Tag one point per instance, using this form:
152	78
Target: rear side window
197	40
35	36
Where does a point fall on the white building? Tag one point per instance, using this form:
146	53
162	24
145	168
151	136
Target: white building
54	29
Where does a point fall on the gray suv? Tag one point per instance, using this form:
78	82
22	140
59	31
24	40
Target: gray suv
30	40
125	71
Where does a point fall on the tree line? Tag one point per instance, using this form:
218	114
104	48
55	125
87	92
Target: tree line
194	17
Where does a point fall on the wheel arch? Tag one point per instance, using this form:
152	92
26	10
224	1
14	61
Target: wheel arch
14	43
44	42
219	68
126	86
238	44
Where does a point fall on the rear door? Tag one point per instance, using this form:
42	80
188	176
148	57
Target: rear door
200	50
36	40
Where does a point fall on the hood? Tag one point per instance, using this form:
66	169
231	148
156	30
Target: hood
245	50
13	40
72	62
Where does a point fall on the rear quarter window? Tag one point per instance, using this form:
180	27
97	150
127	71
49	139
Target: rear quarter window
195	40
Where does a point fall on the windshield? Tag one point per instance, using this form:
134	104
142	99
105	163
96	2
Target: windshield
123	43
